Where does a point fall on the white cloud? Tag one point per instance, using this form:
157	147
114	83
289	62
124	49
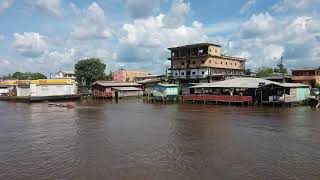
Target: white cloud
142	8
53	7
257	25
249	4
295	5
2	37
177	13
5	4
30	44
263	39
93	24
146	40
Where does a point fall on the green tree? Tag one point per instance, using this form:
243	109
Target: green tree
248	72
281	69
27	76
19	76
109	76
36	76
264	72
90	70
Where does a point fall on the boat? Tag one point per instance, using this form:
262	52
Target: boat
68	105
314	102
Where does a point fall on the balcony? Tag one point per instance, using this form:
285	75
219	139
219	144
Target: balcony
190	77
305	78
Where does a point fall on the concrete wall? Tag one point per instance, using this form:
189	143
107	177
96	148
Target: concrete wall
207	62
214	50
23	91
52	90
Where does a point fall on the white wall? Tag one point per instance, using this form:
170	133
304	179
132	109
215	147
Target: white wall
52	90
23	91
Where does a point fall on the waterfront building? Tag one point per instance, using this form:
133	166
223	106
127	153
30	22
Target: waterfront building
279	77
149	84
62	74
148	77
203	62
249	90
166	90
308	76
42	89
111	89
123	75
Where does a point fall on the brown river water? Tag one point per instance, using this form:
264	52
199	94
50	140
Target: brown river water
131	139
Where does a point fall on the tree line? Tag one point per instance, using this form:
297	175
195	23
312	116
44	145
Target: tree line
24	76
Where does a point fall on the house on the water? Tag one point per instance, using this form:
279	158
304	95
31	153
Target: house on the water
42	89
166	90
110	89
308	76
248	90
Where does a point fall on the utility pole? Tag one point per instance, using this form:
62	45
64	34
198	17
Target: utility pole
281	69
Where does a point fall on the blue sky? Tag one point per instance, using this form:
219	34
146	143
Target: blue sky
48	35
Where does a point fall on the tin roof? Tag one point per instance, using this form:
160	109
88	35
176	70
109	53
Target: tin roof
195	45
251	83
114	84
149	81
307	69
127	89
168	85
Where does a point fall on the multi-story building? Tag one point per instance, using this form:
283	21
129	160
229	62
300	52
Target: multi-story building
123	75
308	76
203	62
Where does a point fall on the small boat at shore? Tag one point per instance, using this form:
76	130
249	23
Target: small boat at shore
314	102
68	105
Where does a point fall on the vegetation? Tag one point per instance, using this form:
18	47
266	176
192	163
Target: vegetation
25	76
90	70
281	69
108	77
264	72
248	72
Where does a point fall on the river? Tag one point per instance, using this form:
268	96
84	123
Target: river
131	139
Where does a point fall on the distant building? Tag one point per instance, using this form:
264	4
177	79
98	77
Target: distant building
65	75
308	76
110	89
123	75
278	77
203	62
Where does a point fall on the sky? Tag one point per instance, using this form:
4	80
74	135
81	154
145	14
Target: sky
48	35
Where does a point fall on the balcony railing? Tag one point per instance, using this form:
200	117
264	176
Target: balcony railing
217	98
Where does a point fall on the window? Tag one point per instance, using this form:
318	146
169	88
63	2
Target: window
193	73
182	63
231	64
226	63
216	62
210	61
221	62
202	72
182	73
176	74
216	51
235	64
193	62
202	62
